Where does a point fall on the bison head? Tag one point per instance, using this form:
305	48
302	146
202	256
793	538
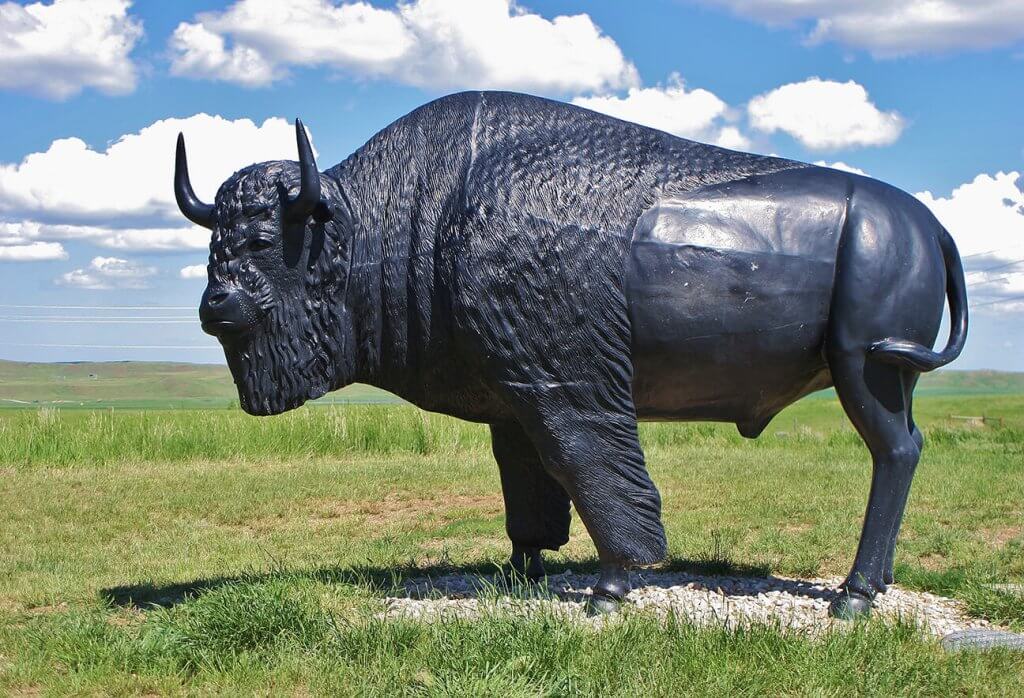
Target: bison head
277	277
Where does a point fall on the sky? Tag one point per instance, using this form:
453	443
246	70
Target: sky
96	263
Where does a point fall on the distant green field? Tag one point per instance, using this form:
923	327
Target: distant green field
155	385
138	385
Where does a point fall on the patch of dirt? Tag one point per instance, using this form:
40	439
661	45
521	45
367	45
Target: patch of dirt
1002	535
934	562
395	508
24	691
46	609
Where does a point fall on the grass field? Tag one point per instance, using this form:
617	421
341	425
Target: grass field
158	385
204	551
145	385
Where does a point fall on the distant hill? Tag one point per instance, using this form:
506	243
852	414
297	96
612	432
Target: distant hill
971	382
140	384
153	385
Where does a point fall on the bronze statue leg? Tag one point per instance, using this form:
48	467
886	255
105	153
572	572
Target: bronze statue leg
909	381
595	455
536	507
872	395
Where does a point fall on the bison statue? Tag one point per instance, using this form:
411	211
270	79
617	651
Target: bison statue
559	274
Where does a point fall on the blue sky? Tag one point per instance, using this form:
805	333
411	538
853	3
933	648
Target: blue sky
95	263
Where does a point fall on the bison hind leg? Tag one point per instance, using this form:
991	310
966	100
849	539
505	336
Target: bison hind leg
874	396
537	514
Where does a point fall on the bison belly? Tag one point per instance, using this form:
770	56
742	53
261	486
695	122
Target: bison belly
729	291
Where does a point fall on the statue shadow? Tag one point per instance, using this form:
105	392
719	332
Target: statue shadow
565	580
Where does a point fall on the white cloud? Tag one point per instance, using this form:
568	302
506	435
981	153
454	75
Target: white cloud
889	29
32	252
697	114
59	49
104	273
121	198
193	271
840	165
132	178
825	115
138	239
986	218
427	43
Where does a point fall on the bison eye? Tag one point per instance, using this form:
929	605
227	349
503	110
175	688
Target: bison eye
257	244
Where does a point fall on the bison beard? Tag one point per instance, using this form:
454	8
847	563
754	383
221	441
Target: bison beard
292	357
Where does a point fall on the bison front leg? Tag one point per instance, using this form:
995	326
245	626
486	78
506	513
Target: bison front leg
536	507
593	451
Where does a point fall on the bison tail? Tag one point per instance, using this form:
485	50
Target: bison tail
908	354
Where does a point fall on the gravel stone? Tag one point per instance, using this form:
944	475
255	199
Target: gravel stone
799	605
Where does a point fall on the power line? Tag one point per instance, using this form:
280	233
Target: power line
988	282
998	301
98	321
98	317
981	254
112	346
101	307
997	267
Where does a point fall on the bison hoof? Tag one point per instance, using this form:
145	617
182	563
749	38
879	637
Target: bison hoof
850	606
599	605
528	563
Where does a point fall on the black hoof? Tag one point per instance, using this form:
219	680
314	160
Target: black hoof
609	591
850	606
526	563
600	605
888	577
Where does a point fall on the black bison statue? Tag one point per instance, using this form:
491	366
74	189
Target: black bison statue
559	274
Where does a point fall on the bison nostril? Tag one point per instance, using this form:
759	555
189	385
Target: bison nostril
217	298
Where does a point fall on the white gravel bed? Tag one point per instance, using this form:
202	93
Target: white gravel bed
795	604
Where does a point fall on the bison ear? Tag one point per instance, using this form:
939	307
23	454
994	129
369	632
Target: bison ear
322	212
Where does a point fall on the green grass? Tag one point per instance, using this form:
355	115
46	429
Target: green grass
197	552
56	437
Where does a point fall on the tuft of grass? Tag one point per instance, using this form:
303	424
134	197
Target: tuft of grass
53	437
59	438
973	586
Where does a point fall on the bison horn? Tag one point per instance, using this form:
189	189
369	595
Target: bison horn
301	206
190	205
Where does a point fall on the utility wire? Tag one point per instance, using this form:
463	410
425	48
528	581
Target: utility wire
101	307
980	254
1009	299
997	267
98	317
112	346
98	321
